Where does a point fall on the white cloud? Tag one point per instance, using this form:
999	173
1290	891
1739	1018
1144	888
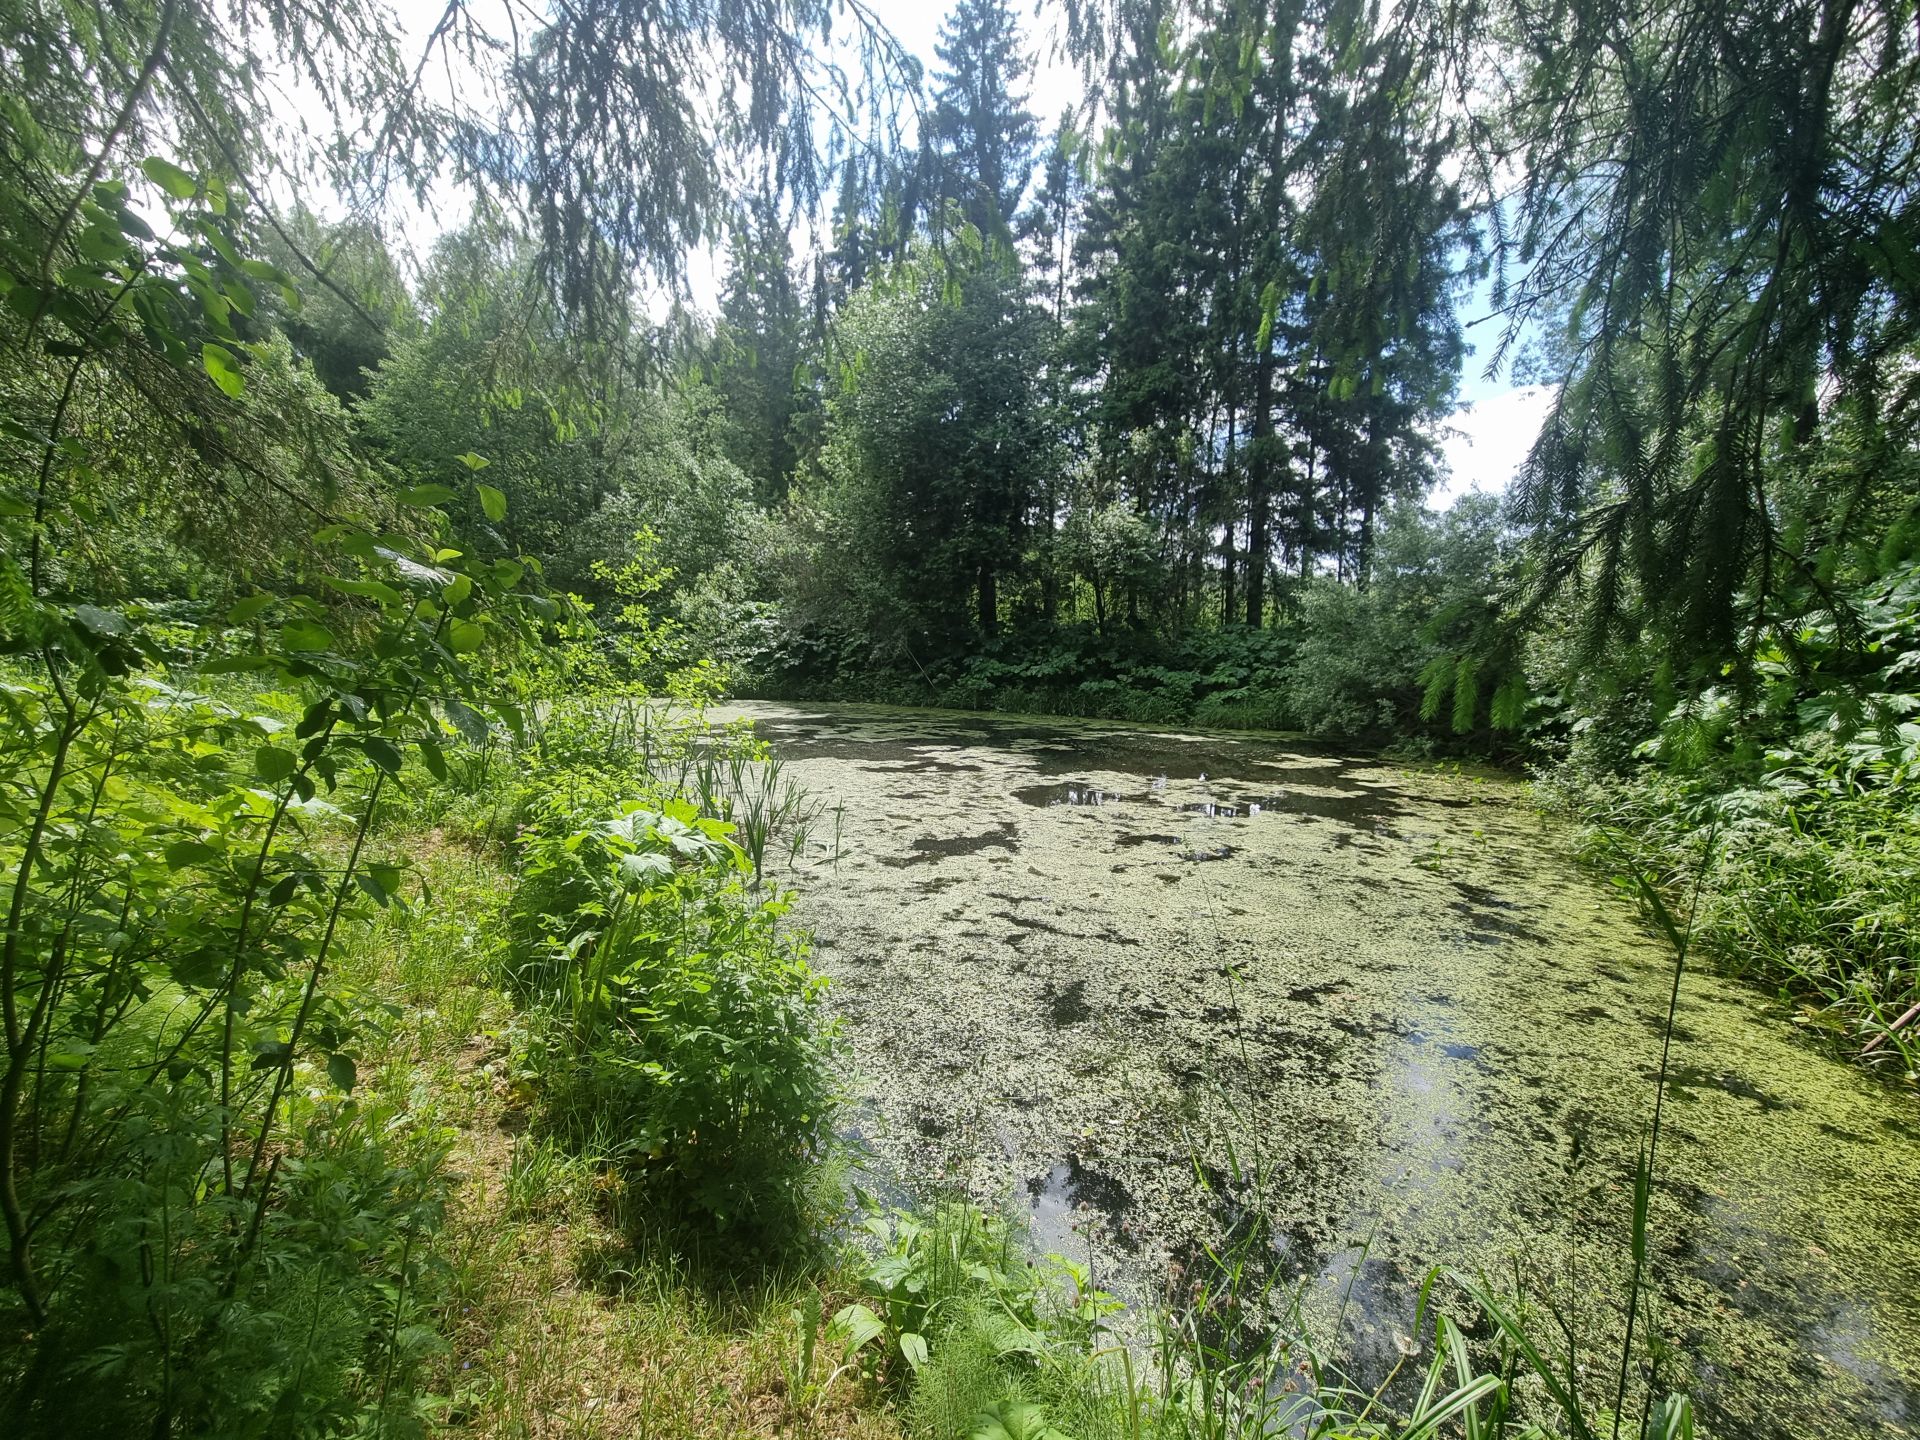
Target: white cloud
1485	443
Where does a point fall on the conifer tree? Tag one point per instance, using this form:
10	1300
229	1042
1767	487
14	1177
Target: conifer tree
983	134
759	350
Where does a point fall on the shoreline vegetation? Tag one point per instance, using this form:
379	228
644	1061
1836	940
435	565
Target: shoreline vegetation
705	1316
411	1021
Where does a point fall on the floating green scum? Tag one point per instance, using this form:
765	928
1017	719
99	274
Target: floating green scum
1164	990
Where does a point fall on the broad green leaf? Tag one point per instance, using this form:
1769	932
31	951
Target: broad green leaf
914	1348
465	636
306	635
471	724
641	869
367	589
382	753
1013	1420
493	503
475	462
342	1072
224	366
272	764
855	1326
236	665
169	177
183	853
101	622
424	496
262	270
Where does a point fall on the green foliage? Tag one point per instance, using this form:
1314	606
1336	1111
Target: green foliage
275	543
1804	782
679	1027
989	1345
348	319
1367	664
762	359
186	870
981	154
936	445
213	1227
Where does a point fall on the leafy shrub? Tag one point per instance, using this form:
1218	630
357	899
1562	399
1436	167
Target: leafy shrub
987	1344
683	1030
1812	878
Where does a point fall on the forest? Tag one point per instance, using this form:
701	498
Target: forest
554	552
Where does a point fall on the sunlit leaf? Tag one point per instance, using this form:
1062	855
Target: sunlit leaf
306	635
342	1072
465	636
169	177
224	367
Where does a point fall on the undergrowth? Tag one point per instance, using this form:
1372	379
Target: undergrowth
1813	885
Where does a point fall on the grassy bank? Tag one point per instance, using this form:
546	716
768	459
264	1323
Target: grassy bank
556	1312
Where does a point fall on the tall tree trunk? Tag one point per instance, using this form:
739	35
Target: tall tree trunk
1363	554
1226	576
1308	511
1259	489
1232	523
1049	559
989	601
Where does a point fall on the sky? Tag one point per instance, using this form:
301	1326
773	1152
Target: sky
1483	441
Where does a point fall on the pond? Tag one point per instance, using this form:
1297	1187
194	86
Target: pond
1149	988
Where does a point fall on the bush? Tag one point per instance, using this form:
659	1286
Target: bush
682	1034
1811	883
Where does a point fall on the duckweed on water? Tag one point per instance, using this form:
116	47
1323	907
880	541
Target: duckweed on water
1392	995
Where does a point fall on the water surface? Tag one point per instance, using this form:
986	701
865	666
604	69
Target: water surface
1153	988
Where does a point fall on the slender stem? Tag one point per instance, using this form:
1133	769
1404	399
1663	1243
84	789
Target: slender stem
1682	941
284	1075
285	1072
19	1041
238	969
44	487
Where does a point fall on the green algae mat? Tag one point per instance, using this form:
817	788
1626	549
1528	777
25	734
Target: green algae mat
1154	991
